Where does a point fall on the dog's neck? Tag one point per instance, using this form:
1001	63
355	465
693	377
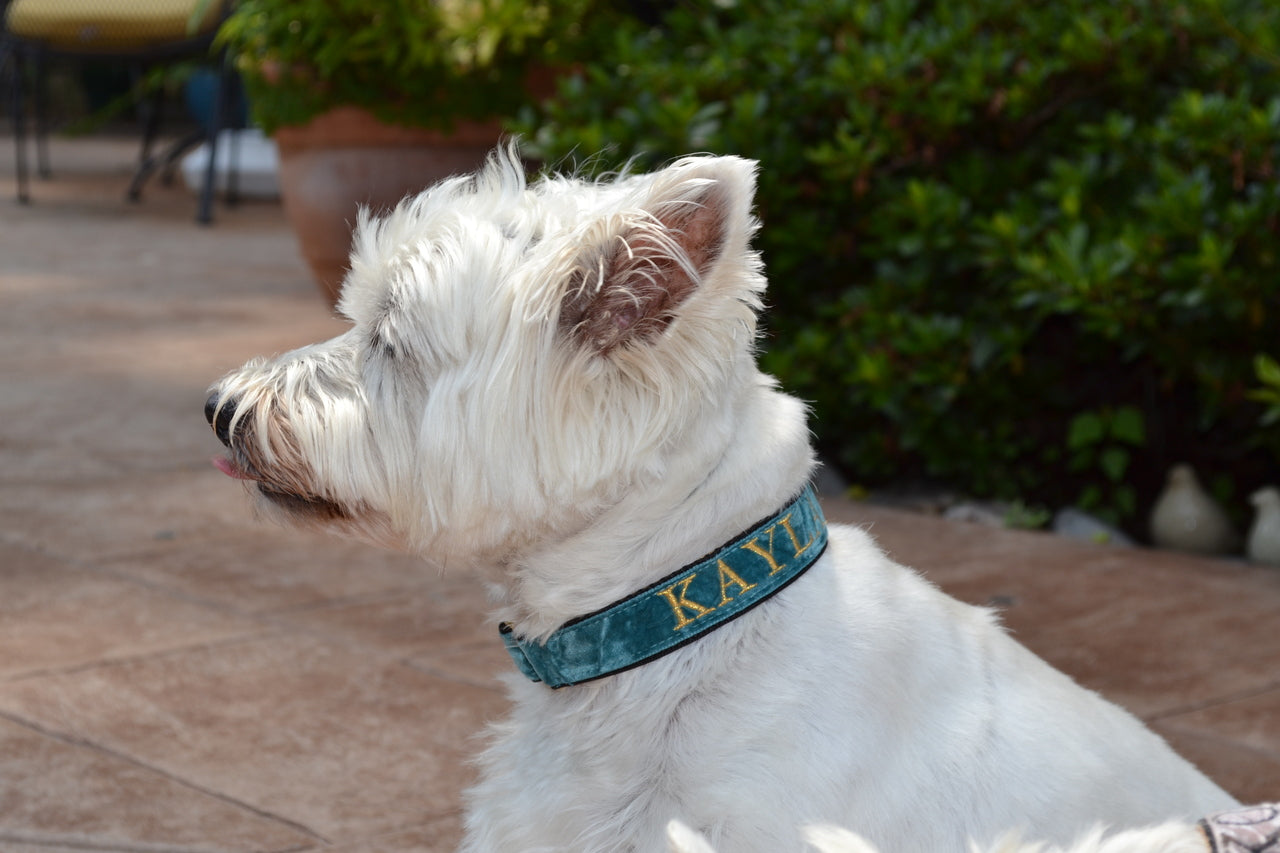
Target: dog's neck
705	497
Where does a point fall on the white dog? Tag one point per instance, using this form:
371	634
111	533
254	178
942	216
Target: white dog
557	381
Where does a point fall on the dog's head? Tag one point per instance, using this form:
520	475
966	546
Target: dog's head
519	356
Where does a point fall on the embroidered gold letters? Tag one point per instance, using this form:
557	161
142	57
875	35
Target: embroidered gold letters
800	549
754	548
680	604
728	578
732	585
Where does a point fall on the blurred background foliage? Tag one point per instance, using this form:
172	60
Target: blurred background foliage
1024	250
420	63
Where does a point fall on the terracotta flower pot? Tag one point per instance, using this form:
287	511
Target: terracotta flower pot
347	158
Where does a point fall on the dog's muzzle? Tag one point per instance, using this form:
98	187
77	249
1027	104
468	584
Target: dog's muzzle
219	414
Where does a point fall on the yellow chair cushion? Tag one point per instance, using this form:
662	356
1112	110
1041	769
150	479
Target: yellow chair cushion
108	24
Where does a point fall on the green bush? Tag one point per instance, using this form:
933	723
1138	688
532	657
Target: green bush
410	62
1028	250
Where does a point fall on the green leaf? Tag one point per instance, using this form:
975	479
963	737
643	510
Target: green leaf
1128	425
1086	430
1114	461
1267	370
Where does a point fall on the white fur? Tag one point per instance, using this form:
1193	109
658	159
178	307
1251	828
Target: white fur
469	417
1171	837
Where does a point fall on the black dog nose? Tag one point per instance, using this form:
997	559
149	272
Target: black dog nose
219	415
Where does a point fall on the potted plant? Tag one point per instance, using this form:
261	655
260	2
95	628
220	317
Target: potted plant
371	101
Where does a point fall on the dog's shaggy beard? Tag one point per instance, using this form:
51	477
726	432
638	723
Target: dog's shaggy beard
284	420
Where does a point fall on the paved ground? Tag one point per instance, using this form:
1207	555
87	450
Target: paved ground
175	676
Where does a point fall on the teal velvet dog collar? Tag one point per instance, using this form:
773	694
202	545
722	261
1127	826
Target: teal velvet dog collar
681	607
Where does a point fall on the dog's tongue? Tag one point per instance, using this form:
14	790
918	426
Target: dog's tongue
229	468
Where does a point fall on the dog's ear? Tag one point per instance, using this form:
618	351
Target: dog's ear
626	289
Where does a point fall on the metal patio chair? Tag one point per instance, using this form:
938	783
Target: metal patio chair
139	34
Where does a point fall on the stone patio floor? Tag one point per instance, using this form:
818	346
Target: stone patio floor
177	676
